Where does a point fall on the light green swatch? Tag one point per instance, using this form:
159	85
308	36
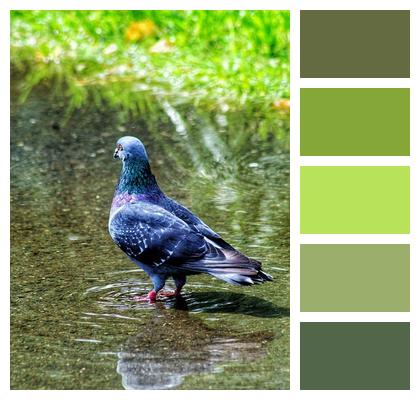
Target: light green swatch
354	200
355	277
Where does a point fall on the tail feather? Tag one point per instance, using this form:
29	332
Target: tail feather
242	279
229	265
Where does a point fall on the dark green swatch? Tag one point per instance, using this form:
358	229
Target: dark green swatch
355	277
355	355
355	44
355	122
354	200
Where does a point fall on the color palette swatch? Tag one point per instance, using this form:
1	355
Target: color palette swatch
355	122
355	277
355	44
355	355
355	199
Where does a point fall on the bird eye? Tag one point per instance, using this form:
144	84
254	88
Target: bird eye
119	147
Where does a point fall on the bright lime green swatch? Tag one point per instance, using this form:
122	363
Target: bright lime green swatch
355	277
355	122
355	200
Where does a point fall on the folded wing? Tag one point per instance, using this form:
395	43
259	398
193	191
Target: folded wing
153	236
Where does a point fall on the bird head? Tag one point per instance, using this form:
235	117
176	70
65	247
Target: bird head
129	147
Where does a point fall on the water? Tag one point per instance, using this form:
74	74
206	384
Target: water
74	324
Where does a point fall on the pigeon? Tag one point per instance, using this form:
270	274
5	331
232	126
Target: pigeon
164	238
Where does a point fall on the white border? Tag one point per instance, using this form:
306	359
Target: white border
355	239
355	161
354	82
294	6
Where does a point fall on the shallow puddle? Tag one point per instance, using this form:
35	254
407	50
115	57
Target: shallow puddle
74	322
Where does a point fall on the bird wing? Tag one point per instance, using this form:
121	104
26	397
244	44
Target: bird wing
196	223
153	236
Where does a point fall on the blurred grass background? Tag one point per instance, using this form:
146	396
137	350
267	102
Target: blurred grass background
135	60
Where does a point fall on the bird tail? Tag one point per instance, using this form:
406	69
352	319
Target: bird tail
230	266
241	278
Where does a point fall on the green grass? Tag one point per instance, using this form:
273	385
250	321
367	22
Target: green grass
217	60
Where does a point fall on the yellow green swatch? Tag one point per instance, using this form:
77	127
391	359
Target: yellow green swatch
354	200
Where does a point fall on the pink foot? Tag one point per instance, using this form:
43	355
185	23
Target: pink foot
167	294
150	297
175	293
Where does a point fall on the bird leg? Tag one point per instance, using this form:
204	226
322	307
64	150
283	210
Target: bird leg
179	283
158	284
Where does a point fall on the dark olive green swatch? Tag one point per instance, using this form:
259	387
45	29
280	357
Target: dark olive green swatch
354	277
355	44
355	355
355	122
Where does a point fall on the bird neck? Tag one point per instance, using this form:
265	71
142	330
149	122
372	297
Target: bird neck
137	178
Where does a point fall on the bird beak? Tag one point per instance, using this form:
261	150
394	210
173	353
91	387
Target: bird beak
116	155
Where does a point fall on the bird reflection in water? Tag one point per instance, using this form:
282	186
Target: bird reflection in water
175	344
